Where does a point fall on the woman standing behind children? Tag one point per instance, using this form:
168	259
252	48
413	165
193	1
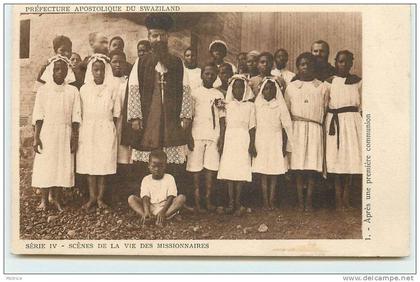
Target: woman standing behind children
344	127
97	154
56	117
306	98
272	116
239	142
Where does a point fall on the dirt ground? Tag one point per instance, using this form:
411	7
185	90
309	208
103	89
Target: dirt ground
119	222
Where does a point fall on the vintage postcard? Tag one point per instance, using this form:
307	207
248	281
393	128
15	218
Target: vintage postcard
211	130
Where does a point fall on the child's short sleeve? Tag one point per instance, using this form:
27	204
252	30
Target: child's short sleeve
39	110
171	186
145	188
252	117
77	111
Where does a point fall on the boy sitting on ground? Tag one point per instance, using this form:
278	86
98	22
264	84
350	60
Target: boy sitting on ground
158	192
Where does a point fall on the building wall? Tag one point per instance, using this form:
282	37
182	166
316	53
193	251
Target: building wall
241	31
43	29
296	31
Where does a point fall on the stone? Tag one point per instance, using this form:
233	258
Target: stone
71	233
263	228
52	218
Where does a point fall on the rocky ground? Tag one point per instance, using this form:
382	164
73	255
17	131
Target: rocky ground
119	222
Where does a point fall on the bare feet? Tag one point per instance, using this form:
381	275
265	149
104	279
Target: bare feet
240	211
230	209
265	208
89	204
301	207
101	204
58	206
210	207
199	210
42	206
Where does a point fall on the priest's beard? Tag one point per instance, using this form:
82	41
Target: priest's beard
160	50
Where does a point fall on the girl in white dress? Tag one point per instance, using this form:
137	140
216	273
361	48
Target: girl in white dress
56	117
306	98
97	155
239	141
344	127
272	117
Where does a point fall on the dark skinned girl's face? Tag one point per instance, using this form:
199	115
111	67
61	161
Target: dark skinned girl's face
116	44
242	60
265	65
59	72
238	89
98	72
117	64
225	74
343	64
142	50
209	76
251	62
305	68
75	59
218	53
64	50
269	91
281	59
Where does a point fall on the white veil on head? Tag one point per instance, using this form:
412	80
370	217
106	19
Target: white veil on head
47	76
248	94
260	96
109	77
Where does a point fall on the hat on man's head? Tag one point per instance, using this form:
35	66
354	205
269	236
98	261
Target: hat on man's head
218	44
159	21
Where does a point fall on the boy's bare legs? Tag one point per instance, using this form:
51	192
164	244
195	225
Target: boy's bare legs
196	184
264	191
56	198
299	186
177	204
43	206
311	184
338	196
231	193
91	179
346	191
136	204
272	194
209	175
101	191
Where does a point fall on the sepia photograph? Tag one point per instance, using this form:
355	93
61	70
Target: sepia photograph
191	126
205	130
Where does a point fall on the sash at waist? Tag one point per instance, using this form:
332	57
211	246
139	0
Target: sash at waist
298	118
335	121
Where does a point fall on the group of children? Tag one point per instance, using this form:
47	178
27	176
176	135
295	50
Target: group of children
255	118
